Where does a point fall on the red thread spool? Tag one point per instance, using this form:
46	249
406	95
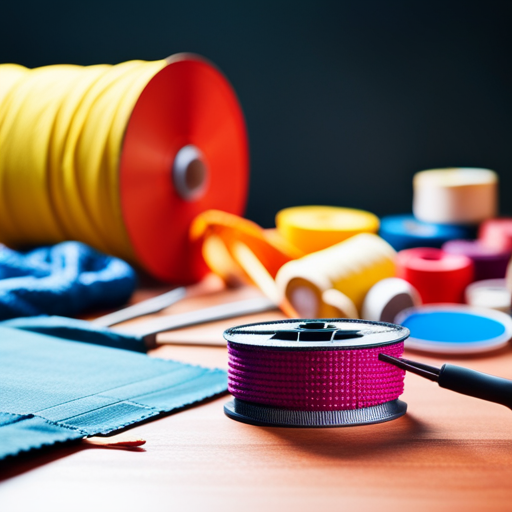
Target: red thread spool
496	233
437	275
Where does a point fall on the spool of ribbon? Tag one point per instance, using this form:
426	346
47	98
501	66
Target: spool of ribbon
388	298
496	233
437	275
313	228
488	262
406	232
352	267
120	157
314	373
489	293
455	195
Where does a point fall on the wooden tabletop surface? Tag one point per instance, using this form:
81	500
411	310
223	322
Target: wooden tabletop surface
449	452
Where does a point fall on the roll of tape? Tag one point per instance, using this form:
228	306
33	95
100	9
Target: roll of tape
490	293
437	275
488	262
455	195
496	233
455	329
352	267
308	373
121	157
313	228
389	297
406	232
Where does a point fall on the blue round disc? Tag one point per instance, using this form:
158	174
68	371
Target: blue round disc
455	328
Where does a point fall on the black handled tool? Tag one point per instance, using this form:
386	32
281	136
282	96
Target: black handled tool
459	379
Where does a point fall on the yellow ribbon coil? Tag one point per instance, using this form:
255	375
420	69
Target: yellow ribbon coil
352	267
313	228
61	134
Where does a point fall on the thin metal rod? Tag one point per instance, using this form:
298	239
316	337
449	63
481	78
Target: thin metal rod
423	370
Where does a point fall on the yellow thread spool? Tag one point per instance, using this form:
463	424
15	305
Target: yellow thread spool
352	267
313	228
109	155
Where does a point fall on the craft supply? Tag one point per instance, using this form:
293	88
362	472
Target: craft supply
387	298
405	232
121	157
66	279
497	233
139	337
455	329
337	305
437	275
490	293
307	373
461	380
455	195
488	262
53	391
313	228
352	267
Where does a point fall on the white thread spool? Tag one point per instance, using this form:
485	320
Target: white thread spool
489	293
351	267
388	298
455	195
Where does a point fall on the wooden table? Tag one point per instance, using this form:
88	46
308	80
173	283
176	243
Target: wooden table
449	452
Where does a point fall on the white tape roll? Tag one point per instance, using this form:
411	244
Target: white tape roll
455	195
388	298
489	293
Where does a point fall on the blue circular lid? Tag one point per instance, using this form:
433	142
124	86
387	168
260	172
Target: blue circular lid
455	328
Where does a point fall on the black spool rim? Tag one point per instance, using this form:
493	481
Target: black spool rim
267	416
368	334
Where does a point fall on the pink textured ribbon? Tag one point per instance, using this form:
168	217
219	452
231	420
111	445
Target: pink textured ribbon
320	380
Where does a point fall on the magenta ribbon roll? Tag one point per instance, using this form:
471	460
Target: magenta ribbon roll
298	368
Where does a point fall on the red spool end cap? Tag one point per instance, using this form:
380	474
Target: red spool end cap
497	233
438	276
185	151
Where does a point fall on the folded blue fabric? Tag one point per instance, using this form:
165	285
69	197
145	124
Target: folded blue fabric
65	279
54	390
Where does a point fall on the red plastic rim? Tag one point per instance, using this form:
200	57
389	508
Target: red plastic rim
189	102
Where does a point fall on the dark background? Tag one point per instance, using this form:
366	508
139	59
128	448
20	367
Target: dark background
344	101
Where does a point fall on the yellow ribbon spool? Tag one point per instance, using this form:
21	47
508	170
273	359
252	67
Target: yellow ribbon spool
352	267
313	228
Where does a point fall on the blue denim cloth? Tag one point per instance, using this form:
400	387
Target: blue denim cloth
64	279
54	390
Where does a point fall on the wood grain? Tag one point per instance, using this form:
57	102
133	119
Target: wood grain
449	452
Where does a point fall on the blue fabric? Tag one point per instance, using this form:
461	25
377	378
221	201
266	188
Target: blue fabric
53	391
77	330
65	279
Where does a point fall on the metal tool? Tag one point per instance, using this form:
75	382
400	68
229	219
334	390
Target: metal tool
146	307
459	379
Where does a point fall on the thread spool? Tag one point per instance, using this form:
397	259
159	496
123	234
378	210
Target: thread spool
352	267
489	293
406	232
455	329
388	298
313	228
437	275
455	195
496	233
163	141
488	262
305	373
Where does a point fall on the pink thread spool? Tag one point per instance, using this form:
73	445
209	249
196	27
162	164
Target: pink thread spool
314	373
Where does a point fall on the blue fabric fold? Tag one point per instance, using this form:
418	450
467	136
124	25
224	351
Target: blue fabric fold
65	279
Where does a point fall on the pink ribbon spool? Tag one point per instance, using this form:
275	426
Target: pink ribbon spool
315	372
